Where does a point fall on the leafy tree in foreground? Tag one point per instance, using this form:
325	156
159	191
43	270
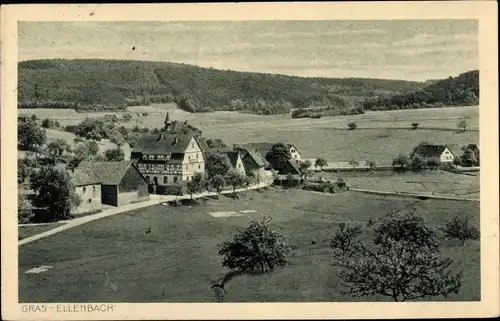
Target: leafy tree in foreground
401	162
468	158
30	136
460	228
235	179
217	182
305	165
258	248
417	163
279	155
345	238
403	262
217	164
195	185
320	162
57	147
54	191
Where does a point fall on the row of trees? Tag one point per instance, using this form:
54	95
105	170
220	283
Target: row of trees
401	259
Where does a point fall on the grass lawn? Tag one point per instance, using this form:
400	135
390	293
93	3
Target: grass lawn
177	261
27	231
437	182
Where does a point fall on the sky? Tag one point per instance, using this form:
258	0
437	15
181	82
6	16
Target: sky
396	49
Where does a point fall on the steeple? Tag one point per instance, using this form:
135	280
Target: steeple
167	122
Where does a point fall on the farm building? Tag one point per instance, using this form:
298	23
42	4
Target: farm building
236	162
121	181
291	168
438	153
264	147
88	188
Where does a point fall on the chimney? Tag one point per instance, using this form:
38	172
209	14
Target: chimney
175	140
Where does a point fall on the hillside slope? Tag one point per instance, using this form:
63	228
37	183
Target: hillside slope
112	84
462	90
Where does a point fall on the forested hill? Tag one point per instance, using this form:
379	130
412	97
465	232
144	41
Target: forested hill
113	84
462	90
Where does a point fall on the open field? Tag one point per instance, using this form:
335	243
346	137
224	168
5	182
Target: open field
27	231
430	182
119	247
380	135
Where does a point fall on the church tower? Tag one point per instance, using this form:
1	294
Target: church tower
167	123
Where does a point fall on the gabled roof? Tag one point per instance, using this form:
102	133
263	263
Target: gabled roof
163	143
430	150
233	158
107	173
455	149
82	177
291	167
204	145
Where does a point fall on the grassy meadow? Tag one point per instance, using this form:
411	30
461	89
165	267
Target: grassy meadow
178	260
380	135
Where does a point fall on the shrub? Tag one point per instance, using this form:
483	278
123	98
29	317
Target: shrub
145	114
415	125
260	247
352	126
461	229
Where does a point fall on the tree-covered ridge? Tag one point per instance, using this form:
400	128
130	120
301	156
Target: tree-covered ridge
95	84
462	90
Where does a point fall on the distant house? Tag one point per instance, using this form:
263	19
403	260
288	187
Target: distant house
291	168
88	189
439	153
236	162
121	181
265	147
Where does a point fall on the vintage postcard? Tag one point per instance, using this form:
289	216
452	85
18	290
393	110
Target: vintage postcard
250	161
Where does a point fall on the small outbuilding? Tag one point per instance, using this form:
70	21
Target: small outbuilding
88	189
121	182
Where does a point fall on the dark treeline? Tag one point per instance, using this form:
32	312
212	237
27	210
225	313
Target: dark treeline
458	91
114	84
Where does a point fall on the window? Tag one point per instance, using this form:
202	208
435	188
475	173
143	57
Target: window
84	189
175	179
192	145
165	179
147	178
90	200
186	166
196	155
199	166
93	191
189	157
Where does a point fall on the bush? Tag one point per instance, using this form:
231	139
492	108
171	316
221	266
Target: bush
414	125
127	117
352	126
460	228
260	247
145	114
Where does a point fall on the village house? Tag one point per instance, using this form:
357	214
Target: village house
290	170
440	154
170	157
264	147
88	189
236	162
120	183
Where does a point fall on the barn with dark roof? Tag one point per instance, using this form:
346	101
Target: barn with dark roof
121	182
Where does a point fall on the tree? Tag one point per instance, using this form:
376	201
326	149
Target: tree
400	162
235	179
30	136
24	209
372	164
24	169
217	164
195	185
345	238
352	126
305	165
50	123
279	155
320	162
468	158
460	228
417	148
217	182
402	262
127	117
354	163
248	180
417	163
462	125
415	125
57	147
260	247
216	143
53	191
114	154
